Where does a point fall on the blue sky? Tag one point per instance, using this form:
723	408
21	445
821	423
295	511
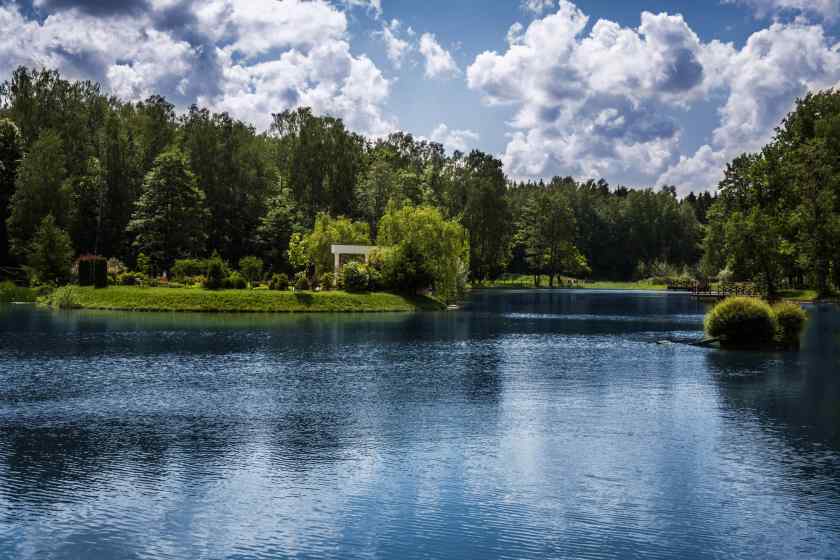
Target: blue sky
639	92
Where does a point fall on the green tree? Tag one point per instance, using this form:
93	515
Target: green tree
276	227
440	246
251	268
487	216
86	197
10	155
548	233
169	217
50	255
329	231
38	191
297	254
753	243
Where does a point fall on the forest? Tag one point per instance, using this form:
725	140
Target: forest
84	173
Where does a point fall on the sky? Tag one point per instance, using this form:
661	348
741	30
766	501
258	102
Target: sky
639	92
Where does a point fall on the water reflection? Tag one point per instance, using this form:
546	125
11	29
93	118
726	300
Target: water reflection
535	424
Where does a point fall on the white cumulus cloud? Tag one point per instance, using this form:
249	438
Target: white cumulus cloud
461	140
439	61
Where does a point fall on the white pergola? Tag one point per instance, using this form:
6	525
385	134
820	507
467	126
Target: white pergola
360	250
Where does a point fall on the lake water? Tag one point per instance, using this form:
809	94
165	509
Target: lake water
529	425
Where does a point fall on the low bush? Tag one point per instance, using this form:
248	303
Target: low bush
63	298
187	268
742	321
235	281
131	279
327	281
279	282
251	268
10	292
301	282
790	321
355	277
216	274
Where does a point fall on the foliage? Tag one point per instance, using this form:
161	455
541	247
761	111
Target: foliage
51	253
216	273
11	152
327	281
9	293
434	250
131	279
296	254
235	281
169	216
742	321
329	231
188	268
790	319
38	191
63	298
301	282
355	277
251	268
279	282
144	264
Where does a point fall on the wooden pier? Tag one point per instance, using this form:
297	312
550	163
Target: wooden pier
722	290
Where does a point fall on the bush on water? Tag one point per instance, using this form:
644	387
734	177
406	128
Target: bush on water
745	321
742	321
790	320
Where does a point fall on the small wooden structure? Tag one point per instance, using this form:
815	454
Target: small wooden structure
339	251
722	290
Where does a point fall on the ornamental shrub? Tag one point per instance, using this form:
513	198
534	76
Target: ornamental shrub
216	273
188	268
301	282
252	269
327	281
235	282
742	321
355	277
279	282
790	321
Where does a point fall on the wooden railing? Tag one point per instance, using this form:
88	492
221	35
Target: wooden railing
722	290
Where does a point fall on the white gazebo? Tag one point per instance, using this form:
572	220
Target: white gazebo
339	251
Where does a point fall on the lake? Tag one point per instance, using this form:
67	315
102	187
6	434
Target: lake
548	424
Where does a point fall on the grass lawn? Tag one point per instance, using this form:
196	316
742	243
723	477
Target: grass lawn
799	295
527	281
131	298
10	293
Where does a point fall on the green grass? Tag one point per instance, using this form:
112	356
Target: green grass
10	293
527	281
798	295
129	298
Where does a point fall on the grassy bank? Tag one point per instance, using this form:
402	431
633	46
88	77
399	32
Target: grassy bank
10	293
235	301
527	281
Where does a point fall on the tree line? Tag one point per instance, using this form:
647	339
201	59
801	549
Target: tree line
129	178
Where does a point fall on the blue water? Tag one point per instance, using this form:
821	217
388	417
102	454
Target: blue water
529	425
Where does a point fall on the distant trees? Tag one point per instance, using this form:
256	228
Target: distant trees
11	153
169	217
778	215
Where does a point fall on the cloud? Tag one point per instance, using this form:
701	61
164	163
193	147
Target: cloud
607	103
461	140
439	61
762	80
592	105
396	48
827	9
537	7
248	57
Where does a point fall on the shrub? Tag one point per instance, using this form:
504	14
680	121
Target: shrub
144	264
279	282
327	281
187	268
742	321
51	253
63	298
355	277
10	292
301	282
93	271
251	268
216	274
235	281
131	279
405	270
790	320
